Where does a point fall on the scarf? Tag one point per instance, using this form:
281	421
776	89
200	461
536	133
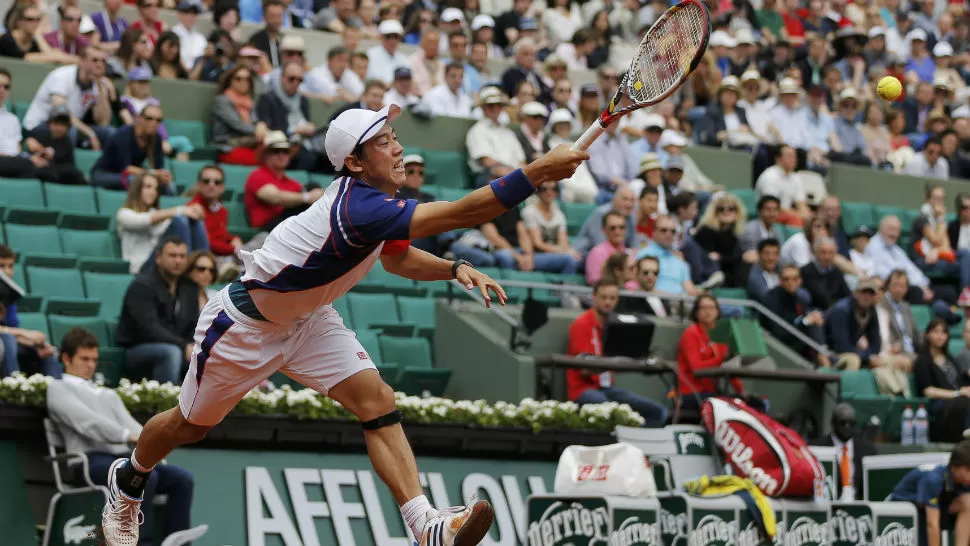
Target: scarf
243	104
294	115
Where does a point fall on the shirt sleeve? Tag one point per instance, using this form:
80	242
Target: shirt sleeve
393	248
529	217
370	216
12	320
929	488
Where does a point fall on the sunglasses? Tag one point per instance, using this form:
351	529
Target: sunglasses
202	268
278	151
70	19
213	181
665	230
615	228
152	118
720	210
649	272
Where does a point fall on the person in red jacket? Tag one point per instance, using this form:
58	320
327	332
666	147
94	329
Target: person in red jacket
696	351
210	185
586	338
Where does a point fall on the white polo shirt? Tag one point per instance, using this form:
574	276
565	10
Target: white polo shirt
10	134
63	82
787	187
445	103
321	81
488	139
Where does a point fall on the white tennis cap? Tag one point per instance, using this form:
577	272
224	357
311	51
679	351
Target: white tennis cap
672	138
653	120
942	49
413	158
483	20
390	26
450	15
560	115
534	109
917	34
353	128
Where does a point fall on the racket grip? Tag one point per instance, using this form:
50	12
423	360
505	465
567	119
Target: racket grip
591	134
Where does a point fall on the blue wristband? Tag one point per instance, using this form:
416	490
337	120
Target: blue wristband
512	188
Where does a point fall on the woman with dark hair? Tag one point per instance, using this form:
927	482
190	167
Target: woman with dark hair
420	21
134	50
620	269
938	378
226	17
896	122
203	272
726	122
20	41
234	125
166	61
696	351
603	37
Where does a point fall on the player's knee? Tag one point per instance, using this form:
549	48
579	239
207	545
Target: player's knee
186	432
377	403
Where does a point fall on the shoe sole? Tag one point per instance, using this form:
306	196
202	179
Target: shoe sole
477	525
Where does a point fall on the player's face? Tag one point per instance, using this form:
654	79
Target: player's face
383	159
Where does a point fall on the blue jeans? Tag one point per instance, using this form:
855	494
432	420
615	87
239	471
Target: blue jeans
545	262
958	269
190	231
162	361
103	132
113	181
654	414
165	479
14	356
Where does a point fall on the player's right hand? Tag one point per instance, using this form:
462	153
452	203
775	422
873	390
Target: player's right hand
558	164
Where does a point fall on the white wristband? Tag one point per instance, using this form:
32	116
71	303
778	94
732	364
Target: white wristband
179	210
306	197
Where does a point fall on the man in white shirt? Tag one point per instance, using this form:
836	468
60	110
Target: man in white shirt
757	110
400	91
333	81
452	20
493	150
427	68
448	99
384	58
192	43
929	163
787	120
12	163
780	181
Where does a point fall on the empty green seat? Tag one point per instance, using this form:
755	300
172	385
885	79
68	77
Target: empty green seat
858	383
236	211
89	243
19	109
420	311
857	214
21	192
749	198
379	280
85	160
55	283
61	324
922	314
730	293
236	176
519	293
111	364
447	168
35	321
186	173
171	201
193	130
369	341
576	214
109	201
71	199
109	289
25	238
377	312
413	356
302	177
104	265
743	336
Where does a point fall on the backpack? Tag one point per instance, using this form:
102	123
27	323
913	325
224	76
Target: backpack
771	455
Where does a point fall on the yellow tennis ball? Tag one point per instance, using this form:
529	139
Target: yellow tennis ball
889	88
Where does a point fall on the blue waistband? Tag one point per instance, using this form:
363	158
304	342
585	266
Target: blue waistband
243	301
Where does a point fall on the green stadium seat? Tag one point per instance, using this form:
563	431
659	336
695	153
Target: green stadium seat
109	289
369	341
378	312
417	376
57	261
420	311
448	169
73	307
857	214
111	365
55	283
90	222
194	130
560	278
171	201
19	109
104	265
302	177
236	176
237	214
31	303
35	321
881	211
859	389
743	336
749	199
18	275
858	383
22	192
956	346
186	173
31	216
71	199
432	189
85	160
786	231
109	201
26	238
576	214
61	324
379	280
730	293
452	194
100	244
922	314
520	294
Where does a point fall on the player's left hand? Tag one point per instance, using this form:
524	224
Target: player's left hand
470	277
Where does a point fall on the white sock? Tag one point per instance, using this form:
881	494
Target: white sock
137	466
415	512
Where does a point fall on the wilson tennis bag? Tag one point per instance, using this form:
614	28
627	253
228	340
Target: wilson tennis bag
773	456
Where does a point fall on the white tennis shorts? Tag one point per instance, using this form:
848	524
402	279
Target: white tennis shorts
234	353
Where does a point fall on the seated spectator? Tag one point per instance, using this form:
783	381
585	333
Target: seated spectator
935	254
110	24
427	67
674	272
611	162
793	304
781	181
929	163
209	188
647	272
718	235
150	22
284	109
649	143
202	271
360	64
830	210
938	377
681	170
546	226
764	274
620	269
267	39
384	58
271	196
192	42
586	338
234	126
859	240
334	81
614	226
825	283
292	50
887	256
52	143
493	150
93	420
134	150
530	133
68	38
20	41
876	133
897	328
159	314
141	224
703	270
761	228
413	181
581	188
138	95
799	248
726	123
852	143
591	233
647	212
959	228
696	351
134	51
448	98
337	17
166	61
895	122
401	92
22	349
218	59
524	69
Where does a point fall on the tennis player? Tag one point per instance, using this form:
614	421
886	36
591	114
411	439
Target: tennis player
278	317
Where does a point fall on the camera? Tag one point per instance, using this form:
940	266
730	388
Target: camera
220	50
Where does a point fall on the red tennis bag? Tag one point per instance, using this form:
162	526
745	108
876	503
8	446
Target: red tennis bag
773	456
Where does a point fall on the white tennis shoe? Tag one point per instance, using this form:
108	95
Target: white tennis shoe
459	525
122	514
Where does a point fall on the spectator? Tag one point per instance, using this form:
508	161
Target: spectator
384	58
764	275
887	256
647	271
503	242
150	22
938	378
360	64
68	37
756	109
530	133
620	269
85	92
825	283
524	69
477	65
427	68
859	240
339	16
793	305
110	24
256	61
830	211
458	53
493	150
614	226
900	336
226	17
916	109
850	138
159	314
647	213
959	228
448	98
129	148
372	99
781	182
271	196
525	93
586	338
22	349
508	23
920	67
333	81
413	181
93	420
267	39
929	163
134	51
546	226
210	186
876	134
718	234
235	128
52	144
166	61
192	42
202	271
788	122
696	351
13	162
799	248
675	275
219	56
681	171
369	16
284	109
761	228
611	162
292	50
20	41
400	92
653	128
452	20
932	239
726	123
581	188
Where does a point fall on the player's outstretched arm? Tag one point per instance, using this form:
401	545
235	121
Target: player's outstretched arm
487	203
419	265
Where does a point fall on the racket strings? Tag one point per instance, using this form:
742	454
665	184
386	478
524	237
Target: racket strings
666	53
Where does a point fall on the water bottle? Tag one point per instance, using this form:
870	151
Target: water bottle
921	426
907	436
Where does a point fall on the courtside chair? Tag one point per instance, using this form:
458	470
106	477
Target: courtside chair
378	312
194	130
236	176
413	356
84	499
70	199
21	193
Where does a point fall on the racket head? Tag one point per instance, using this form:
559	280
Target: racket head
668	54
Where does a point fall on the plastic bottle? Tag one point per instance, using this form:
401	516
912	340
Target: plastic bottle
907	436
921	426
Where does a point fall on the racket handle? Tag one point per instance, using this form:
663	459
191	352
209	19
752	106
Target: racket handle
591	134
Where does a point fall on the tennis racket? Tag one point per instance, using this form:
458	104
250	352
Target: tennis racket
668	54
